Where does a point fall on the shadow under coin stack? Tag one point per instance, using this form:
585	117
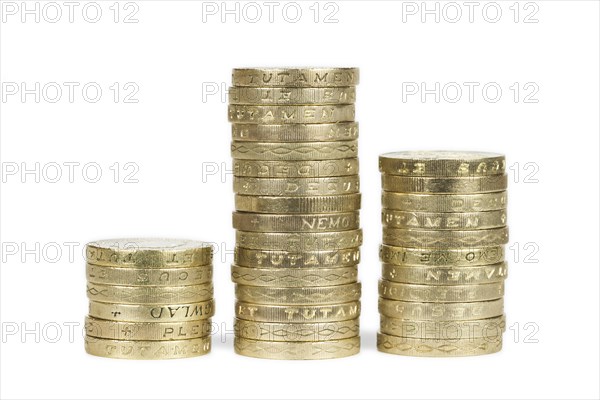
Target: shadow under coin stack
297	212
444	231
149	298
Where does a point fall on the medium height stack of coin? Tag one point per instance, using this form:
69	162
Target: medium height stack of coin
444	231
149	298
297	212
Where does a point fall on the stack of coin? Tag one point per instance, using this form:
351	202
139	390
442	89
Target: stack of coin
444	231
149	298
297	212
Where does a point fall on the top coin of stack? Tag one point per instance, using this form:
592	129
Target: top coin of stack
297	200
149	298
444	219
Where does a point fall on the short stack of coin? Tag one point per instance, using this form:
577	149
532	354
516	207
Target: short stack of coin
443	273
149	298
297	212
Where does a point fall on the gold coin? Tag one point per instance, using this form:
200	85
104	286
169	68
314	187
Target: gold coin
437	348
293	277
313	114
441	311
440	294
149	276
297	350
444	202
443	221
331	222
281	332
296	242
297	313
152	312
443	258
149	253
287	259
440	275
291	95
295	169
147	350
150	294
293	187
442	163
445	239
297	205
307	151
295	77
490	328
101	328
298	295
476	184
295	132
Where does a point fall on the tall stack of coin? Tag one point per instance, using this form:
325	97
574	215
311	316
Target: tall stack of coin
149	298
297	212
444	231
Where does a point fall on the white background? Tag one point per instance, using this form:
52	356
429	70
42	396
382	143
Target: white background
171	134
